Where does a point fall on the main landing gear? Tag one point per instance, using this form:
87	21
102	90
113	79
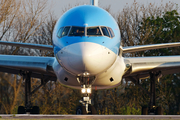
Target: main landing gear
152	108
28	108
85	107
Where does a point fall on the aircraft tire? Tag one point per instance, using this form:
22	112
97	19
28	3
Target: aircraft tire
144	110
159	110
35	110
93	110
81	110
21	110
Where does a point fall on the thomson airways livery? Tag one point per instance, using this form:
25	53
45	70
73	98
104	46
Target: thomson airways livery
88	55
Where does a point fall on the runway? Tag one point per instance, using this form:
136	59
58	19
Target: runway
28	116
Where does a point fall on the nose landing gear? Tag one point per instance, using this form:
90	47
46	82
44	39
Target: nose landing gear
86	101
86	107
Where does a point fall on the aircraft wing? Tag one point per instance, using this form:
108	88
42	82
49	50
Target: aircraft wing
140	67
148	47
28	45
39	66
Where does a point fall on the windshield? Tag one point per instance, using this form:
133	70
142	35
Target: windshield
105	31
94	31
60	32
65	31
85	31
111	32
77	31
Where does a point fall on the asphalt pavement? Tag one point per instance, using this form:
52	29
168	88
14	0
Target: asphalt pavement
29	116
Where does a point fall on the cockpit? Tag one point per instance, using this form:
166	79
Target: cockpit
85	31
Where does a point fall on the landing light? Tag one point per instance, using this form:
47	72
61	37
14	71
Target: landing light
85	73
83	90
88	90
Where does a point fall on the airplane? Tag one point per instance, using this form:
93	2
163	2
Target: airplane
88	55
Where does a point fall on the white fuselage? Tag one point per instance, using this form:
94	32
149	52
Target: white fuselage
92	59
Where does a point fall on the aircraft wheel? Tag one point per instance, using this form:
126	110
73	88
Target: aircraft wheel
93	110
21	110
159	111
81	110
144	110
35	110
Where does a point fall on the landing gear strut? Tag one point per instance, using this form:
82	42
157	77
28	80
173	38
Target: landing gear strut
86	107
152	109
28	93
28	104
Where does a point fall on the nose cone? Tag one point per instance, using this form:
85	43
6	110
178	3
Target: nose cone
86	57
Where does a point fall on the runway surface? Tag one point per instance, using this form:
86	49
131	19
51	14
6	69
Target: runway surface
28	116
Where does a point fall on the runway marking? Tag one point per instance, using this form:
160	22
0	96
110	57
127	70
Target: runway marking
28	116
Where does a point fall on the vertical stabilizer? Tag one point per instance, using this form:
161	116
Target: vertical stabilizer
94	2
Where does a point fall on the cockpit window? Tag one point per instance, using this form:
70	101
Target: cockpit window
105	31
85	31
94	31
77	31
65	31
60	31
111	32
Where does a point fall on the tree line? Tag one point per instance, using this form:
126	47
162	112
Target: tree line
140	24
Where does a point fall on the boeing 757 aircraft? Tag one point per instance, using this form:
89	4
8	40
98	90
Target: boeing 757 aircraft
88	55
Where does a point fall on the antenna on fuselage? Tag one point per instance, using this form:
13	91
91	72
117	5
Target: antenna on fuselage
94	2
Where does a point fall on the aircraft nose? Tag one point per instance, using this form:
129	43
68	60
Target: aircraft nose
86	57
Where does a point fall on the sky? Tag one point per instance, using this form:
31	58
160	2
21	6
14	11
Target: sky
116	5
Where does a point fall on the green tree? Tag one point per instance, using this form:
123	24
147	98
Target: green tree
163	29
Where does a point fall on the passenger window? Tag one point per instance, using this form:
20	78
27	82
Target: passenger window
77	31
60	32
105	31
65	31
94	31
111	32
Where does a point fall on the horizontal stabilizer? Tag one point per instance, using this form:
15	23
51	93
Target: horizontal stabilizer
149	47
28	45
